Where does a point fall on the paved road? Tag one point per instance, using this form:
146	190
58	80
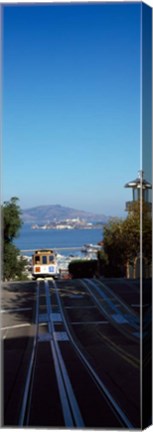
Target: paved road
45	324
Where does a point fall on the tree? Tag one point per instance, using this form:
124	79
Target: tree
11	224
147	233
12	221
114	247
138	232
122	240
103	263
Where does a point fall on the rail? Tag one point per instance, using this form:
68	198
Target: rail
124	419
71	411
55	249
130	325
31	365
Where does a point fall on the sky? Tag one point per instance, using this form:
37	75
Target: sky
71	104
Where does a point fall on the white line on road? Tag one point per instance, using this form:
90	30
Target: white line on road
4	337
15	326
15	310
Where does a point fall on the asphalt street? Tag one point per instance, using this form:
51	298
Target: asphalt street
103	319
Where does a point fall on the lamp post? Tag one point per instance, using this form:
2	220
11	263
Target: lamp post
140	189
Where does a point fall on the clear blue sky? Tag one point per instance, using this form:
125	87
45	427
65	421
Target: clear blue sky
71	104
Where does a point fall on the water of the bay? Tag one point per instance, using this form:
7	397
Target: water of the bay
30	239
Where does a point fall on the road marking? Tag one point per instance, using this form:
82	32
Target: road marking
55	317
14	310
71	412
88	322
80	307
60	336
118	298
43	318
119	318
135	305
44	337
4	337
15	326
138	305
120	351
30	366
93	373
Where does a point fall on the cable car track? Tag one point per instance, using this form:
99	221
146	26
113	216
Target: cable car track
124	419
74	391
70	408
104	318
31	364
103	344
130	325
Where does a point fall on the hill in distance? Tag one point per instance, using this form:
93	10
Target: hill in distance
49	213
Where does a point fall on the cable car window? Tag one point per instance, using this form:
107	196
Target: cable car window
51	258
37	259
44	259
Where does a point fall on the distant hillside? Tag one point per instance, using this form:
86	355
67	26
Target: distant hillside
49	213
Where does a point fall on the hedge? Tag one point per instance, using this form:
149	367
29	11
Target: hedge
83	268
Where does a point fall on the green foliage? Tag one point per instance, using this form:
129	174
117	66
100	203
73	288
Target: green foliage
131	230
10	254
147	240
138	226
13	264
11	216
83	268
147	234
103	263
114	248
122	241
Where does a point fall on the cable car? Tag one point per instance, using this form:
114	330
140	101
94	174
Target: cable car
44	263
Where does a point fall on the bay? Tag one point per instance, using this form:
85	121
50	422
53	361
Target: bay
30	239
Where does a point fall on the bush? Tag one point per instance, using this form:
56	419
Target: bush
12	266
109	269
83	268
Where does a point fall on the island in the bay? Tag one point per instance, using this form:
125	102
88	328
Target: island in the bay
68	224
60	217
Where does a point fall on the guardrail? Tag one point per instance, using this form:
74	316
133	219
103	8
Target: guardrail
55	249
